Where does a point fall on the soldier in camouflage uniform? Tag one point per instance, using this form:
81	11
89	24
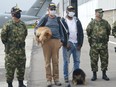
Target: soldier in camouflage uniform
98	31
13	36
114	29
114	32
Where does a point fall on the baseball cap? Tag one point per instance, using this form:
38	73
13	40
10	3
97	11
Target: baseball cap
70	8
15	9
52	5
99	10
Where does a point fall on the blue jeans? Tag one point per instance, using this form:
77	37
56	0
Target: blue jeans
66	58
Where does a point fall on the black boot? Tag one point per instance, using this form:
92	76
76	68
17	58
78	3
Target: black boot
94	76
10	84
104	76
21	84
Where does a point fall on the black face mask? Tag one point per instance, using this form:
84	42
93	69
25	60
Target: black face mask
17	15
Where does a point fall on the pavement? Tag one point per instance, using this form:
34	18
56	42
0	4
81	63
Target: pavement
35	68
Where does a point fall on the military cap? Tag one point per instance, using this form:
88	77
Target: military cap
99	10
15	9
52	5
70	8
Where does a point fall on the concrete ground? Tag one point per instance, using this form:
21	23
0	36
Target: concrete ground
35	67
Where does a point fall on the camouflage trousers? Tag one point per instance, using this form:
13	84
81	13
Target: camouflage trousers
95	54
15	62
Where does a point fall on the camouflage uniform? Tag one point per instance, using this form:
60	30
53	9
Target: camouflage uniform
114	29
13	37
98	37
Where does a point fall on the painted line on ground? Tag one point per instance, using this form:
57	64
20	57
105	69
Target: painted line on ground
112	42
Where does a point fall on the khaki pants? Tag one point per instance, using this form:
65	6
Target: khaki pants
51	54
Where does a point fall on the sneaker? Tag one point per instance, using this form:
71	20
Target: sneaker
57	83
22	86
66	80
67	85
49	84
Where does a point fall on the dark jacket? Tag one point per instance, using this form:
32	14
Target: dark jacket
65	31
80	35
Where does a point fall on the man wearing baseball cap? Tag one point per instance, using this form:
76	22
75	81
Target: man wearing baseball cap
13	36
52	46
73	43
98	31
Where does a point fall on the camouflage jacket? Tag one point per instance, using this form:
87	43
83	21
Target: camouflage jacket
13	35
98	32
114	29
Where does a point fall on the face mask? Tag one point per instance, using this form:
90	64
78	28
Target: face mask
17	15
100	15
53	12
71	14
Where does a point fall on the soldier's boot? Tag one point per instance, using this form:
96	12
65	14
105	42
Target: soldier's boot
10	84
104	76
94	76
21	84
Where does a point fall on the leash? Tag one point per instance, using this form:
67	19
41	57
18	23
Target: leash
63	26
70	71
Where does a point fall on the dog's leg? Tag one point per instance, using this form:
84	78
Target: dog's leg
74	82
85	82
36	41
42	42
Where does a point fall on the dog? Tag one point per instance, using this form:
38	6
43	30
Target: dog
78	77
43	34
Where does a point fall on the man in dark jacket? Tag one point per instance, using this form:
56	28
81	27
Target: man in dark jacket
73	41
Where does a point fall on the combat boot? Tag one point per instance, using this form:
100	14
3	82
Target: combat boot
10	84
104	76
94	76
21	84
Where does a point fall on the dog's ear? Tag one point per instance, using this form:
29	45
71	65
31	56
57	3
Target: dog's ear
48	35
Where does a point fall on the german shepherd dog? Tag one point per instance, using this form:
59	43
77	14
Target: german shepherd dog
78	77
43	34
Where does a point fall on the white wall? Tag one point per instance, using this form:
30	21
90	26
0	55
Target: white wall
61	7
107	4
61	4
86	11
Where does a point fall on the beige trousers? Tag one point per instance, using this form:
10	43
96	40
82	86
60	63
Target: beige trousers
51	55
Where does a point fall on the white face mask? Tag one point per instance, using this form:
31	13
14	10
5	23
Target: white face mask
53	12
71	14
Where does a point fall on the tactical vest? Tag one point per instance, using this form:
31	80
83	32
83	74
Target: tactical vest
99	33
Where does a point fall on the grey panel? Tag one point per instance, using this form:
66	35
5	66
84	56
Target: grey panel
37	10
38	7
43	9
